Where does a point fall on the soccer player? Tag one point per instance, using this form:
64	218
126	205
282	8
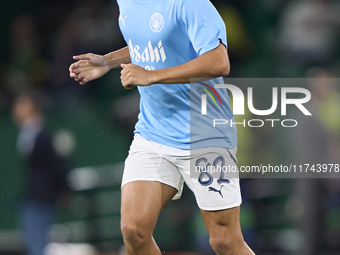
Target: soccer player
44	168
170	42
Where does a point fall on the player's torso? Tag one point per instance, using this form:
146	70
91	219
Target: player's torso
158	38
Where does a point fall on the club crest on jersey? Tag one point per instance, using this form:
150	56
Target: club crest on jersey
156	22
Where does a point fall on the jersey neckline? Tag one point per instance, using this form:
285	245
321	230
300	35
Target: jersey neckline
143	2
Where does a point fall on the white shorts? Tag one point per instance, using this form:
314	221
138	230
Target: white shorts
151	161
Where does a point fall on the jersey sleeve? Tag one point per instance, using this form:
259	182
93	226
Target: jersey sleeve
204	25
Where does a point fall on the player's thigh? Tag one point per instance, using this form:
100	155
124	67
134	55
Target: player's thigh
141	203
223	224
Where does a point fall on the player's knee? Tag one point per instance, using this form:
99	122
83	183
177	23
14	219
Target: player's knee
224	245
221	245
133	235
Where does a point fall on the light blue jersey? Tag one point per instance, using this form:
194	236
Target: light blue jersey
166	33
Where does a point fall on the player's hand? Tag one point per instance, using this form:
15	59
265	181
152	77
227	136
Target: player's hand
88	67
134	75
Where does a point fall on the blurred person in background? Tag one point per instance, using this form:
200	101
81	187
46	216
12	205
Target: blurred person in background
316	136
309	30
45	169
239	41
316	141
26	69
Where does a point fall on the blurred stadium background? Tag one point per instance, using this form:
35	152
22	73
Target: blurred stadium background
93	124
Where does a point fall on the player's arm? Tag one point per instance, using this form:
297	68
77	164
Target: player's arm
92	66
214	63
116	58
